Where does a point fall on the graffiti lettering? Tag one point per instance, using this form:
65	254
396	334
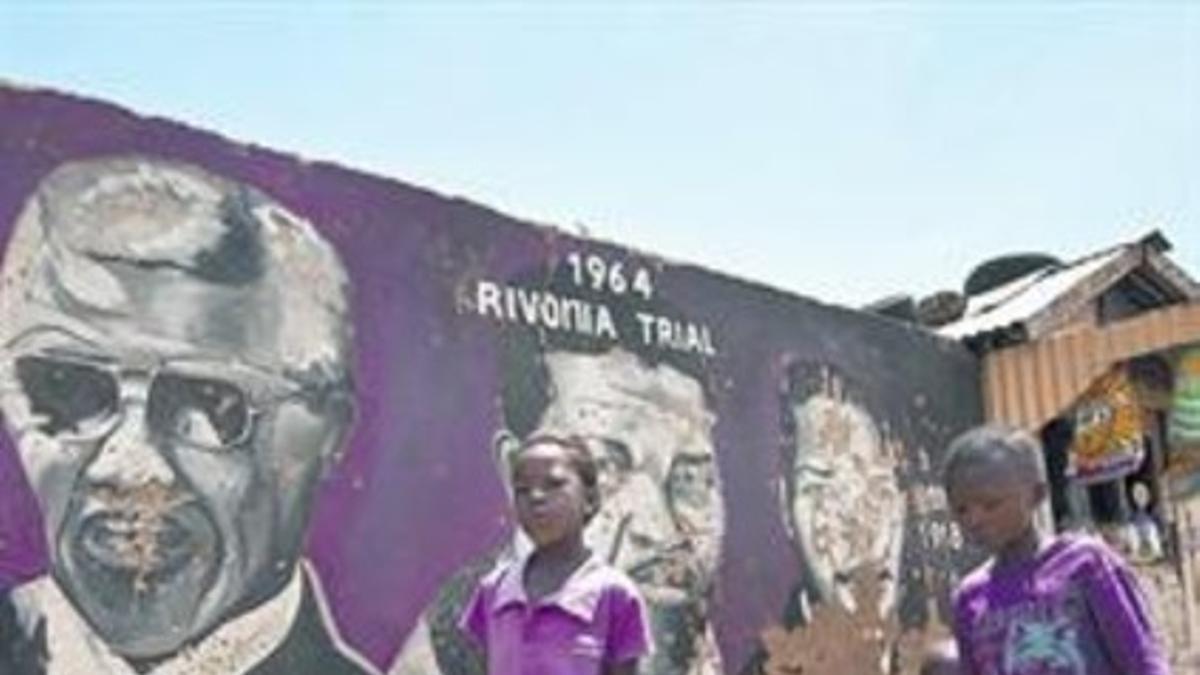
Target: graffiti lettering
602	275
682	336
541	308
535	307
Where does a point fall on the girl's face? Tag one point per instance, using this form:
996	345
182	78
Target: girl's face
994	507
550	499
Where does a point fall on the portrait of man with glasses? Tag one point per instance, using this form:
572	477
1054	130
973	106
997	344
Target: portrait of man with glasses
175	377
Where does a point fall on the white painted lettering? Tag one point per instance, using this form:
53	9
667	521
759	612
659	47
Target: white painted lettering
605	327
487	298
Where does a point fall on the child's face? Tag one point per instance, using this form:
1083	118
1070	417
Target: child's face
550	499
994	505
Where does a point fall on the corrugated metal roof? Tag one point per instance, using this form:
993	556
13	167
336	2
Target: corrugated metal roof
1022	298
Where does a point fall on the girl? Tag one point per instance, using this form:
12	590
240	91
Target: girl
561	610
1042	604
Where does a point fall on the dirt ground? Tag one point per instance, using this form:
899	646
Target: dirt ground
1161	583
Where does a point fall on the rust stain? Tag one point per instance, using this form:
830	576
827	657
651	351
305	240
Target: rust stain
835	640
143	510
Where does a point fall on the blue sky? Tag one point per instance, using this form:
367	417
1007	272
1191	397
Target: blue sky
845	151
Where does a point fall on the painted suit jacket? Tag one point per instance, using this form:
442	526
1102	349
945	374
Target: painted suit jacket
309	646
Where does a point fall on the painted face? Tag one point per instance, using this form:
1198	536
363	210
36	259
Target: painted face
661	514
846	510
550	499
172	453
992	505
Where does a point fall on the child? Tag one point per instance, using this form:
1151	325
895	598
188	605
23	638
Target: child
1148	542
1041	604
562	610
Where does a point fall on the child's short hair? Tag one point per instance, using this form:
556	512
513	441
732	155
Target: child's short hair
579	458
995	442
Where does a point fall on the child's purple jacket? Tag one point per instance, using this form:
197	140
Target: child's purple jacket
596	618
1074	609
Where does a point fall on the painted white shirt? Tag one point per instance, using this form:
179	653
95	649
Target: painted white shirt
231	649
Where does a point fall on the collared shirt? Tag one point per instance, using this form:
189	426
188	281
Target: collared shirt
231	649
596	618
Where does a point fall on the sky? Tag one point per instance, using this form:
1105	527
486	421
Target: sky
844	151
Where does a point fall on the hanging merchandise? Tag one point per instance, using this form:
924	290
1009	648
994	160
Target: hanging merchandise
1184	429
1108	430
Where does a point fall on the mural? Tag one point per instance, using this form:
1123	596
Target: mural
256	410
174	351
877	549
640	398
845	514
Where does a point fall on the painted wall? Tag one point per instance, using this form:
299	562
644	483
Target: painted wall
259	399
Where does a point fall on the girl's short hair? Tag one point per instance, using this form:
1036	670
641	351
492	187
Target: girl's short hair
994	442
579	458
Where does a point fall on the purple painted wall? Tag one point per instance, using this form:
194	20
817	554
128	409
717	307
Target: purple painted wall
416	495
